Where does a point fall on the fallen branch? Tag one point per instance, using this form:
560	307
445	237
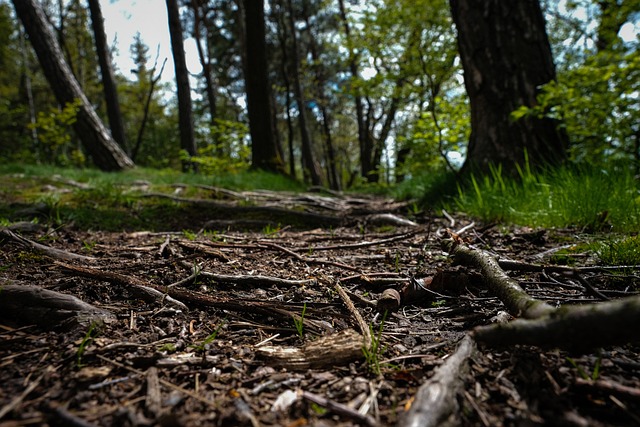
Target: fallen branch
517	302
46	250
436	403
579	328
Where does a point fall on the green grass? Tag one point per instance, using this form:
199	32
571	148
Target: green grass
248	180
619	251
586	198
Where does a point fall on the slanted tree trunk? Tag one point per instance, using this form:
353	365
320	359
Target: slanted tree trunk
105	152
264	153
506	57
309	164
108	79
185	115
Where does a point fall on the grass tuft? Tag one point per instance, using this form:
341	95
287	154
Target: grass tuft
589	199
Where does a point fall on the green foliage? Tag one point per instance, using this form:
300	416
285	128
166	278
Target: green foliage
588	198
624	251
55	135
223	149
598	104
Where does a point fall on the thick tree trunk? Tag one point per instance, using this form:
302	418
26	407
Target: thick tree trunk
264	152
108	79
105	152
506	56
185	115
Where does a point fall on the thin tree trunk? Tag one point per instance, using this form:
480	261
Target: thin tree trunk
332	174
363	141
108	79
105	152
185	115
308	158
205	63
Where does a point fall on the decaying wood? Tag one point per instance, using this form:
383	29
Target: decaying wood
46	250
435	403
571	327
30	304
517	302
327	351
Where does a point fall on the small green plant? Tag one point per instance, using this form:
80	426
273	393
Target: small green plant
397	262
596	369
374	351
88	246
209	339
299	321
270	230
88	338
189	234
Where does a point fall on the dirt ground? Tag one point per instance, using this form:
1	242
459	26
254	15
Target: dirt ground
258	323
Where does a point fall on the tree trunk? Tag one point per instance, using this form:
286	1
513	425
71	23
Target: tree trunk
309	164
185	115
105	152
205	62
332	173
506	57
264	154
363	141
108	79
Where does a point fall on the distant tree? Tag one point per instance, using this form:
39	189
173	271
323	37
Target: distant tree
309	163
105	152
109	86
264	152
506	57
187	136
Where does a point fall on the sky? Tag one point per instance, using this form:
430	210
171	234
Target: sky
123	18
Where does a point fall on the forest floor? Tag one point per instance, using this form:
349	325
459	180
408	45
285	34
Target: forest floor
254	308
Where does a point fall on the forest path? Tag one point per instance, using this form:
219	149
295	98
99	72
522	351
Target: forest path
241	316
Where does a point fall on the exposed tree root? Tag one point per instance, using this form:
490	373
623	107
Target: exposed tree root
578	328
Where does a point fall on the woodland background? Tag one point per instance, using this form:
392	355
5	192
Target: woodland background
355	92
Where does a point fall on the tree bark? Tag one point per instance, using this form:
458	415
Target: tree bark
105	152
264	153
108	79
309	164
506	57
185	115
365	166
